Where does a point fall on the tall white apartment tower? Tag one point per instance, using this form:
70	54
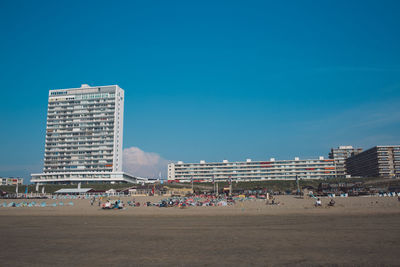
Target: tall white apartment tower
84	136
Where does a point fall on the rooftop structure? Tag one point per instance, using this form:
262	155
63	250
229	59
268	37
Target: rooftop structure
378	161
252	170
84	136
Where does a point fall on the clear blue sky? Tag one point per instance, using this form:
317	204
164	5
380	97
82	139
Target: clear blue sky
208	80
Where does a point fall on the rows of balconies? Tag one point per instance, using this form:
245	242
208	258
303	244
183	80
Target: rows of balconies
84	133
50	159
80	123
255	172
80	117
78	111
79	147
52	133
74	163
235	165
73	149
92	169
82	112
87	131
91	105
81	102
70	154
81	139
82	127
300	166
75	144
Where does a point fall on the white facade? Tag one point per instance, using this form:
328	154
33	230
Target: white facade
252	170
11	181
84	135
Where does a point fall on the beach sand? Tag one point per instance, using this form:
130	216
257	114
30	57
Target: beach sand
357	231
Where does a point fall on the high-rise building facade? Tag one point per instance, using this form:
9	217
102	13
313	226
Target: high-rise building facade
378	161
252	170
340	155
84	136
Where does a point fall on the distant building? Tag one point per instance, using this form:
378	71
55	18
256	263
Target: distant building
84	136
378	161
11	181
340	155
252	170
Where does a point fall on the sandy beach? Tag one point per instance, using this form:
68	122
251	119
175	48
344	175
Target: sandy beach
356	232
288	205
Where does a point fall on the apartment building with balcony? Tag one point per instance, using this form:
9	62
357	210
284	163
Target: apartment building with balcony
84	136
11	181
252	170
378	161
340	155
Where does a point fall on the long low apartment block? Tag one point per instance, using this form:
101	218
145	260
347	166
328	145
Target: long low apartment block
252	170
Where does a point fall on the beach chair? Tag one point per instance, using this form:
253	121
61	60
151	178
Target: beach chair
43	204
54	205
30	205
4	204
61	203
71	203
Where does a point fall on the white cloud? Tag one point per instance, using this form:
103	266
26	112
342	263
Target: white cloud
144	164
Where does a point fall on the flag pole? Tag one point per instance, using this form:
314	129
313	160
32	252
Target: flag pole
213	181
230	185
192	186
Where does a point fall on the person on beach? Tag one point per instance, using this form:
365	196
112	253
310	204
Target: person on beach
331	203
318	203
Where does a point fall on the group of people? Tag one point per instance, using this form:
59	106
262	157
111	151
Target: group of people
318	203
118	204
